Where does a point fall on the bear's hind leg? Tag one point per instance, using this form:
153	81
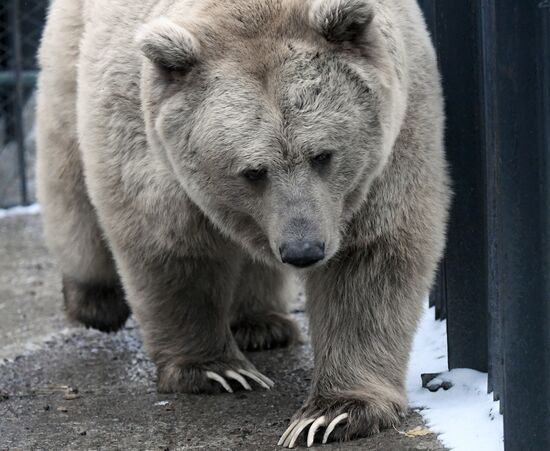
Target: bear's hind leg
260	312
95	305
92	292
91	285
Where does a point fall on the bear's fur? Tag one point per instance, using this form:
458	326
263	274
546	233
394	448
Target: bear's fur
186	148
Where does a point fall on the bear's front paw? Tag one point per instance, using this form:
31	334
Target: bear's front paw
341	420
210	377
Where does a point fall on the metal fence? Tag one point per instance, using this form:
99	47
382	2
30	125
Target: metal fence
21	24
494	284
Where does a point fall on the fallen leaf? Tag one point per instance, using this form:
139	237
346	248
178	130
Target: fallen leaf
418	431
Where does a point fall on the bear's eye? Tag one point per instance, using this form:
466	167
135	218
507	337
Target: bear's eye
322	159
255	175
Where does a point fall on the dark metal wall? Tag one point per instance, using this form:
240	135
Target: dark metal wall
494	290
458	47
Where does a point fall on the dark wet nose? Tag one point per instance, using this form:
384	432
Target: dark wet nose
302	253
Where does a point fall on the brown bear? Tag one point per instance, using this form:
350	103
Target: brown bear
194	154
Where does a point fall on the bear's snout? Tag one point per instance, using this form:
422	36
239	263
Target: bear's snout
302	253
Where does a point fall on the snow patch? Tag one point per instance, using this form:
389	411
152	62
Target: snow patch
465	417
16	211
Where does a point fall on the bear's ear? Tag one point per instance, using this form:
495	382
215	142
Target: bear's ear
168	45
341	20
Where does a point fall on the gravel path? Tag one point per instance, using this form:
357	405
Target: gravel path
65	387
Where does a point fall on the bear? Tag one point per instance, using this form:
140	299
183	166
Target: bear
195	155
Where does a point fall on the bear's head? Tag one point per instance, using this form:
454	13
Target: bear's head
275	116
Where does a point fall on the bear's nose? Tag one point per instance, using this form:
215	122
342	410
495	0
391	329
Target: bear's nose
302	253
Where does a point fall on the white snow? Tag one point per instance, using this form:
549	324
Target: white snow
465	417
15	211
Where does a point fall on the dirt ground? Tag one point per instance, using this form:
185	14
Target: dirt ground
65	387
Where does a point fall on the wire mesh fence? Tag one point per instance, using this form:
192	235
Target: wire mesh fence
21	25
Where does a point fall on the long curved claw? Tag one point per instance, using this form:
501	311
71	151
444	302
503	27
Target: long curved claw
297	431
237	377
216	377
264	381
287	432
332	425
319	422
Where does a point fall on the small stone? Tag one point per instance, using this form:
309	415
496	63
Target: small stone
4	395
71	393
62	409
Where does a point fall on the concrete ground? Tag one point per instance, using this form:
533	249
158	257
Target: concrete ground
65	387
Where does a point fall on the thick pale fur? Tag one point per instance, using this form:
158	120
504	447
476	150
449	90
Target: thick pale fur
148	114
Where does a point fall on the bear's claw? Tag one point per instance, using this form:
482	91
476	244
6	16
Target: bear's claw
319	422
290	441
331	427
342	419
258	377
291	435
216	377
237	377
